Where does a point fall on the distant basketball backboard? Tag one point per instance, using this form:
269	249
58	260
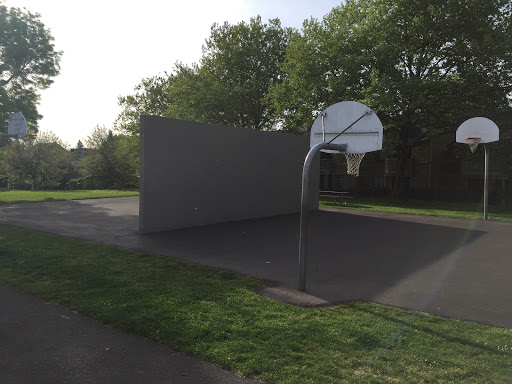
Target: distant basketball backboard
475	131
478	127
350	123
17	127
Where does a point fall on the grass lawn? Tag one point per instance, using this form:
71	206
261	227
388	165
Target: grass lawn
217	316
34	196
428	208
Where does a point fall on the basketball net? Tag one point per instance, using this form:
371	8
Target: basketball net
473	143
353	162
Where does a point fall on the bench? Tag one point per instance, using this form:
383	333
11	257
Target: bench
336	197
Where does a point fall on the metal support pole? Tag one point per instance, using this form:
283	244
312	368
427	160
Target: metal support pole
486	183
304	212
323	126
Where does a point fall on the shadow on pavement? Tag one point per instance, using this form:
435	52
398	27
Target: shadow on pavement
101	220
349	257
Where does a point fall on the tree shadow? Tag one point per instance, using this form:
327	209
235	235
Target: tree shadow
440	267
412	325
103	220
363	255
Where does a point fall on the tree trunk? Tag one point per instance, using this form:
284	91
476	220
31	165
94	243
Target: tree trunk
401	190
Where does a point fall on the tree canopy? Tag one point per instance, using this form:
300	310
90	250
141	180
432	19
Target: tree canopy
28	63
111	161
423	66
150	98
228	86
41	161
239	64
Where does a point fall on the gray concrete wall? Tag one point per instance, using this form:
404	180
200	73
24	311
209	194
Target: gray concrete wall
196	174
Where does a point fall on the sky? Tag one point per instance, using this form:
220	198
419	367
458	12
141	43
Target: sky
109	46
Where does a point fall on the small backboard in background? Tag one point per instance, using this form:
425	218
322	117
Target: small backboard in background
17	127
478	127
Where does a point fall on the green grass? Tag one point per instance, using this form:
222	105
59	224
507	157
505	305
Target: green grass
9	197
427	208
217	316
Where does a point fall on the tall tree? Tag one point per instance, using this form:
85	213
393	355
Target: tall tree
229	85
150	98
28	63
239	64
424	67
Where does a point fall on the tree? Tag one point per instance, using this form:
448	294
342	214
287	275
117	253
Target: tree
229	85
239	64
111	161
42	162
28	62
424	67
150	98
324	64
79	150
173	95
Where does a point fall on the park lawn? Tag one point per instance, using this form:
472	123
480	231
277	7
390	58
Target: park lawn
217	316
8	197
427	208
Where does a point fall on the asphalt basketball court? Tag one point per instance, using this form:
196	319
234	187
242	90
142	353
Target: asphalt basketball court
456	268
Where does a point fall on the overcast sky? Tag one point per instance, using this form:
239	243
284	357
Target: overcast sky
109	46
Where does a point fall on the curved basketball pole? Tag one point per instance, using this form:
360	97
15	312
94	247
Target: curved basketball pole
304	211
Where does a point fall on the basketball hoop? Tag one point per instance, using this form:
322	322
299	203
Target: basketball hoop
347	127
350	123
473	132
353	163
472	142
17	127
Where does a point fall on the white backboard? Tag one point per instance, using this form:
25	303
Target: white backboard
362	129
17	126
480	127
